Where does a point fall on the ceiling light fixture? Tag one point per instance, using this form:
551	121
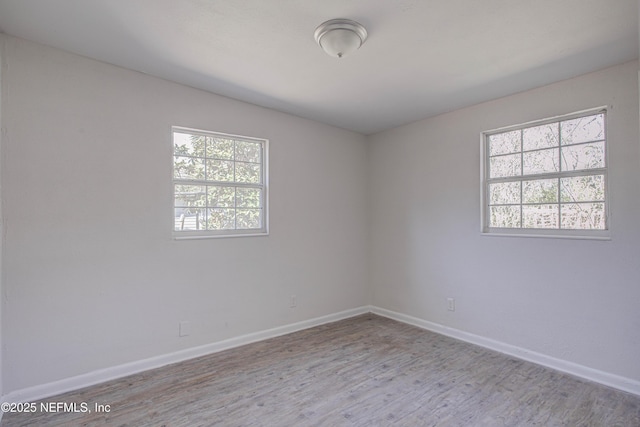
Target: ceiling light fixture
340	37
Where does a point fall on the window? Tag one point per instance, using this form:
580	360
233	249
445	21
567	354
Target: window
219	184
547	177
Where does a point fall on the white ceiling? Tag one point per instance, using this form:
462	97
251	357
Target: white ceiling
422	57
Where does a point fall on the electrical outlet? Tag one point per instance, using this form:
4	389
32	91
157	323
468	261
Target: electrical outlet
184	328
451	304
292	301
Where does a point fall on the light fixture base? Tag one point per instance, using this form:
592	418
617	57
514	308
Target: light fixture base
339	37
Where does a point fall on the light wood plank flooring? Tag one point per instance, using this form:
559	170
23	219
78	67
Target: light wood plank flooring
363	371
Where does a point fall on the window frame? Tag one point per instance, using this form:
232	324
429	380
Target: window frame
485	181
264	187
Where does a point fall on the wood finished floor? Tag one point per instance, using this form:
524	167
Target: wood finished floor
363	371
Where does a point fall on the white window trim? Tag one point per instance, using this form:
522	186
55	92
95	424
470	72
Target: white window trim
217	234
485	230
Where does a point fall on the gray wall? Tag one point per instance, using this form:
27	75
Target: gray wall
93	277
1	219
575	300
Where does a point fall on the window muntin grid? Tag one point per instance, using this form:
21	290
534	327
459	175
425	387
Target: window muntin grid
219	184
547	176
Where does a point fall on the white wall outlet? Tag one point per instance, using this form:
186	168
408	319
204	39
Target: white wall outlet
184	328
292	301
451	304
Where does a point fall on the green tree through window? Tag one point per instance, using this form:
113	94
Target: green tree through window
219	184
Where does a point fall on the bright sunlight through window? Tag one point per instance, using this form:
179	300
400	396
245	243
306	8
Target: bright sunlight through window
219	184
547	177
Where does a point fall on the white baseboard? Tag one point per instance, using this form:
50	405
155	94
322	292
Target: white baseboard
43	391
608	379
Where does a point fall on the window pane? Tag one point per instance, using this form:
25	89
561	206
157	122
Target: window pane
248	218
584	216
220	148
248	151
582	188
188	168
504	166
540	191
189	218
218	182
583	129
248	172
220	170
504	216
540	161
189	195
188	145
504	193
544	136
540	216
220	219
220	197
548	176
504	143
248	197
583	156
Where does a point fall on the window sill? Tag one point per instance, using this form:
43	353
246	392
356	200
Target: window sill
549	234
196	236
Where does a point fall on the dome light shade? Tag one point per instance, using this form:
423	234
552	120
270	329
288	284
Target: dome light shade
340	37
